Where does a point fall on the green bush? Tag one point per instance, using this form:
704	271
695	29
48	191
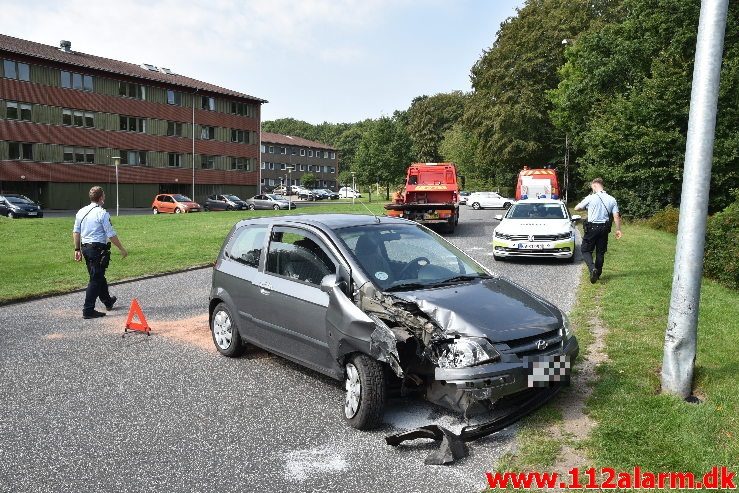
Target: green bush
721	260
665	220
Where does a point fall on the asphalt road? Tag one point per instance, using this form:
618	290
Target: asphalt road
83	409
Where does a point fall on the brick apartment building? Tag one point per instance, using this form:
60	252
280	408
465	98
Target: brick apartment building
64	116
306	156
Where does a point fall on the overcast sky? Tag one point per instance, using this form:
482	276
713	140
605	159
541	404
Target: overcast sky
314	60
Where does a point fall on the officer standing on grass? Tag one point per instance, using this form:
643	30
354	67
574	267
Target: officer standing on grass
601	207
92	234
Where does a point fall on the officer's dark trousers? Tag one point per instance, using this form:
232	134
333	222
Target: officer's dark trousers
595	239
98	285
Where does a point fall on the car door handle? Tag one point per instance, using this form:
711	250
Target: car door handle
264	291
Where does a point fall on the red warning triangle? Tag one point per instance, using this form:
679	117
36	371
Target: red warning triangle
136	313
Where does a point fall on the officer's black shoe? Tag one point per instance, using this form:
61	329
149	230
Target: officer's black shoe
109	306
594	275
93	314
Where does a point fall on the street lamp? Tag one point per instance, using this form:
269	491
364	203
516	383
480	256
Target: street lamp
565	43
116	161
354	188
288	189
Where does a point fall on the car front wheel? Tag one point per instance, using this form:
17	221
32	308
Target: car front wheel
507	205
225	332
251	207
364	401
276	207
476	206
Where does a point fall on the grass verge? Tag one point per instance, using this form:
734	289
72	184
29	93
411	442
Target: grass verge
37	255
636	424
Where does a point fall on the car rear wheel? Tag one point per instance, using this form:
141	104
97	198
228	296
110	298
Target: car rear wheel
507	205
251	207
276	207
364	401
476	206
225	332
178	211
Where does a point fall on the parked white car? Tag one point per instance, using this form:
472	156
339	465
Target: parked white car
535	228
349	193
488	200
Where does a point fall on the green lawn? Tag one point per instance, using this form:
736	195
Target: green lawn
37	254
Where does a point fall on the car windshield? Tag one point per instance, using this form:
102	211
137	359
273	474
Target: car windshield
181	198
232	197
537	211
276	196
17	200
400	257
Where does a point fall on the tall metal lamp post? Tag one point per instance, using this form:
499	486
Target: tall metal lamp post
567	42
288	188
117	161
354	188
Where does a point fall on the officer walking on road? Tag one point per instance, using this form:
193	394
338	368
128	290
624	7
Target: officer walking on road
601	207
92	234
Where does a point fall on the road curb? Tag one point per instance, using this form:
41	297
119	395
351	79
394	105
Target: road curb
26	299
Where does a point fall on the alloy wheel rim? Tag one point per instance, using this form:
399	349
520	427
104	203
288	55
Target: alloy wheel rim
353	391
222	330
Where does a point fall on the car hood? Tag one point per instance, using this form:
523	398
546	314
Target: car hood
493	308
533	226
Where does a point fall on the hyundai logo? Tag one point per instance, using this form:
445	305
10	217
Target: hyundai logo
541	344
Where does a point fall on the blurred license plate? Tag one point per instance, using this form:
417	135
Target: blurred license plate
33	213
544	371
431	215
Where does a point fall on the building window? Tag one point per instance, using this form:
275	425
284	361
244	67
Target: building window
18	111
333	155
264	148
72	80
239	136
208	162
133	124
207	133
283	150
175	160
333	170
264	165
174	97
131	90
294	151
302	152
133	158
174	129
302	167
243	109
310	153
240	163
20	150
282	166
79	155
208	103
271	165
271	149
16	70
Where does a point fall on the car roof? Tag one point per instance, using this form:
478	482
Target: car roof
539	201
328	221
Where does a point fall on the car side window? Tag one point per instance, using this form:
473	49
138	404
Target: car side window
246	245
296	254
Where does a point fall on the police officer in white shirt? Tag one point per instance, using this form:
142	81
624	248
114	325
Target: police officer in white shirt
601	207
92	235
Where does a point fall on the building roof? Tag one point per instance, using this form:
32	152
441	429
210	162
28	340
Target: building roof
271	138
54	54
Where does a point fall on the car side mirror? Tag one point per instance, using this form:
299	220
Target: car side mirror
499	217
329	282
576	218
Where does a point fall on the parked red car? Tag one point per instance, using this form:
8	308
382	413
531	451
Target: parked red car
174	203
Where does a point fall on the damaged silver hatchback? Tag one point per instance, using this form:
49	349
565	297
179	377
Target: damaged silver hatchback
385	305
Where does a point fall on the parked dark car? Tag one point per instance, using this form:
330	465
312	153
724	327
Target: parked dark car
225	202
305	194
269	201
384	303
326	194
15	205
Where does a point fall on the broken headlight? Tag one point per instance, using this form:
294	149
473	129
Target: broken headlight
464	352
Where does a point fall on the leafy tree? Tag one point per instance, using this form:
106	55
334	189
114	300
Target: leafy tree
309	180
384	153
429	117
625	98
508	111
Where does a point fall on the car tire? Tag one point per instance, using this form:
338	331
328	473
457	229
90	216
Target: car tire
366	392
12	215
476	206
154	210
507	205
251	207
206	209
177	210
225	333
498	258
276	207
229	208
